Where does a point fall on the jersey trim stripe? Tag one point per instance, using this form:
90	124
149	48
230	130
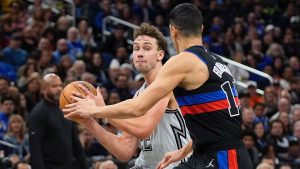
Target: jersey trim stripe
190	51
222	159
232	159
227	159
203	98
207	107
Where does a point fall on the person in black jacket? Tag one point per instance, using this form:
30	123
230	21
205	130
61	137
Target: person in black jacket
53	140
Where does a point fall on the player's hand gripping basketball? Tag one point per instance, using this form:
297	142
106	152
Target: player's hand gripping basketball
83	106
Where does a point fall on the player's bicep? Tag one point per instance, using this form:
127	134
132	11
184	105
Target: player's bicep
168	78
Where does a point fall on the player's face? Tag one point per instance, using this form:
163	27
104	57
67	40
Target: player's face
146	54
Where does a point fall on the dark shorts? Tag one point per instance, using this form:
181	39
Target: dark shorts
228	159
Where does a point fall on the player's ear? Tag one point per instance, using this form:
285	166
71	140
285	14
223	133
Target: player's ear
173	30
161	55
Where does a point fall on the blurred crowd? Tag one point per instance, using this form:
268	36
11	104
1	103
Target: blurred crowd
41	36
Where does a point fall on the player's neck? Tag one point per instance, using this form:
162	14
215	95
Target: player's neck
151	75
185	43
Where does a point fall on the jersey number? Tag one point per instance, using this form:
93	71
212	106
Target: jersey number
233	107
146	144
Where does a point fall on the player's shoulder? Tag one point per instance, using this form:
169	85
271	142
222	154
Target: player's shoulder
141	89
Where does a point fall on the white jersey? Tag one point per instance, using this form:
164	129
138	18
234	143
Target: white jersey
170	134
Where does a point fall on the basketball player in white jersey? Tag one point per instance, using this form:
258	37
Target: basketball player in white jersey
162	129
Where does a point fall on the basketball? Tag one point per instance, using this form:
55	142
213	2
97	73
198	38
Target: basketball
65	99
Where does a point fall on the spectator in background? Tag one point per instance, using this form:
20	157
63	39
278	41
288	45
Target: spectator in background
122	87
295	65
29	40
78	68
86	34
144	10
97	68
261	142
62	49
53	140
29	69
7	109
4	85
44	45
295	113
89	77
296	129
32	93
64	65
270	100
238	74
249	138
295	89
115	40
247	119
282	106
62	26
14	54
260	115
254	96
75	46
16	135
284	118
277	139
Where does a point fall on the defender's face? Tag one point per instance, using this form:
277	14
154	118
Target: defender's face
146	53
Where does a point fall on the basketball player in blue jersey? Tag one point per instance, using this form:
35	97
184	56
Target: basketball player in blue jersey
203	87
162	129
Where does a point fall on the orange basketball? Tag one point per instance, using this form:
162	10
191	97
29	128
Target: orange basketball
65	99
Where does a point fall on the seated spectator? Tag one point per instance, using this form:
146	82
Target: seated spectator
249	138
247	119
14	54
282	106
261	142
260	115
278	140
63	49
74	45
32	93
16	135
254	96
29	69
296	129
7	109
270	100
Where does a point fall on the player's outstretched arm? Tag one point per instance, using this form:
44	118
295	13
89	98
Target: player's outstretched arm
171	74
174	156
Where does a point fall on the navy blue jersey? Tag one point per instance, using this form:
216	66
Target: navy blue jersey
211	111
